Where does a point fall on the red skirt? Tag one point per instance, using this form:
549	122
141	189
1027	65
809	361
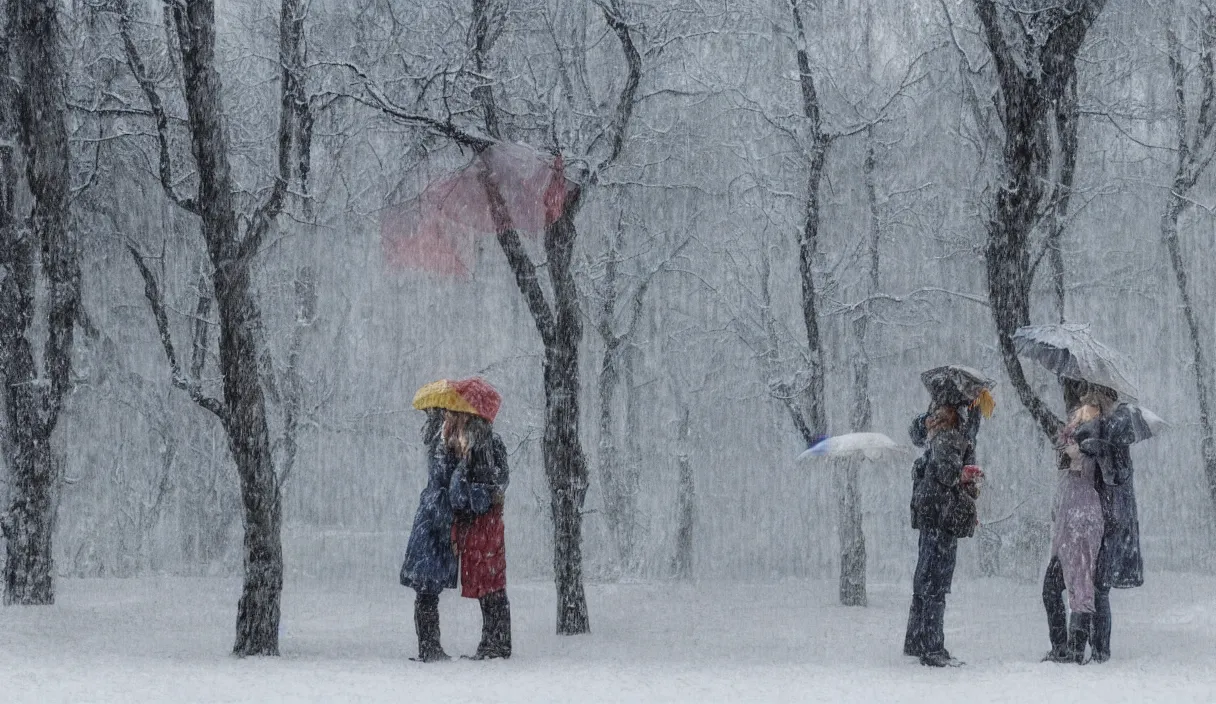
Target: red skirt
481	547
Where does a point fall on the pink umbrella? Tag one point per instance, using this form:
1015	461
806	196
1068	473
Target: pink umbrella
435	232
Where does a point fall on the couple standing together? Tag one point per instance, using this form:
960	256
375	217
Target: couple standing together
1095	534
458	528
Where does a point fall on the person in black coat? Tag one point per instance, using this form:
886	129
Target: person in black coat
943	510
1107	439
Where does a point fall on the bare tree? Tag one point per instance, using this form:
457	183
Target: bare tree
557	316
1196	146
618	479
231	248
33	109
815	423
1034	49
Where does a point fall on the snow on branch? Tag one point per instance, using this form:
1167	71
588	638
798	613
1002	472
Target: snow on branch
157	108
152	293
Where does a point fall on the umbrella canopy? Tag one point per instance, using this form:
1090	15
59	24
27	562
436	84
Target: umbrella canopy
956	385
436	232
871	446
1145	423
473	395
1070	351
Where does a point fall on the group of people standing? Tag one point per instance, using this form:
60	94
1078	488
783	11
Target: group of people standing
1095	534
458	529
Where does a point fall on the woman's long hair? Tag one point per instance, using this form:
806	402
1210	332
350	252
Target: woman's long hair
944	418
480	434
432	427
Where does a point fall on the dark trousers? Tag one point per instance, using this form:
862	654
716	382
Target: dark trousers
1057	618
937	553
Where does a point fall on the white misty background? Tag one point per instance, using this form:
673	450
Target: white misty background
693	229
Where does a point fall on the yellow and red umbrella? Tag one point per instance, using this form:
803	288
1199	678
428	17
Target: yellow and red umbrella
473	395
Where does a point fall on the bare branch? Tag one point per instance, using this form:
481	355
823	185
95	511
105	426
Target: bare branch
152	293
627	101
291	96
378	100
139	71
198	352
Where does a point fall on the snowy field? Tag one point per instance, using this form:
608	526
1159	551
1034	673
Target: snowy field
166	639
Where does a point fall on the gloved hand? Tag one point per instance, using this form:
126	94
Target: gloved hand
1092	446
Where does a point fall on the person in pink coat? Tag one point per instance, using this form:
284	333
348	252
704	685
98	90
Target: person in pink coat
1076	540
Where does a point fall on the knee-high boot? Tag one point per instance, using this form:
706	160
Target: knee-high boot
1057	618
1078	636
935	654
426	624
495	627
914	637
1100	638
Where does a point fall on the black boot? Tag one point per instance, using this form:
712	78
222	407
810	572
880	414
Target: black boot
914	639
1057	630
1099	639
933	621
426	623
1057	619
495	627
1078	636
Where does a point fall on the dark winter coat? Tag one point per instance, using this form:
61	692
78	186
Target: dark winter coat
430	564
480	481
939	499
477	492
1107	439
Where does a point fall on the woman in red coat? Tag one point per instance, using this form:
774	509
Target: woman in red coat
477	490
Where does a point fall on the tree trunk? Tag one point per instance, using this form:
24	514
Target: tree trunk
1067	119
619	502
686	503
1006	256
257	621
1193	159
816	421
852	540
244	405
1203	388
807	244
32	107
28	525
1033	74
565	465
631	473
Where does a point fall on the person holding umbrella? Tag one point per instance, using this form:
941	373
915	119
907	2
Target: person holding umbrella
1103	440
430	564
945	487
458	528
1095	375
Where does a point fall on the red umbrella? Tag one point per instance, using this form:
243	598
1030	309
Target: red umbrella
435	232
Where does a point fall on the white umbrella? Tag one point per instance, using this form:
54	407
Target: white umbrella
1145	423
1070	351
871	446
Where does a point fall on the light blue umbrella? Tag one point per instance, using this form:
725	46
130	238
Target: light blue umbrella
871	446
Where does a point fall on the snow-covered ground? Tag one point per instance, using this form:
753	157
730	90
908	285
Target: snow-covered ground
166	639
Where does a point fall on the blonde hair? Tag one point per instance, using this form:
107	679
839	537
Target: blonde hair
1084	414
1104	399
